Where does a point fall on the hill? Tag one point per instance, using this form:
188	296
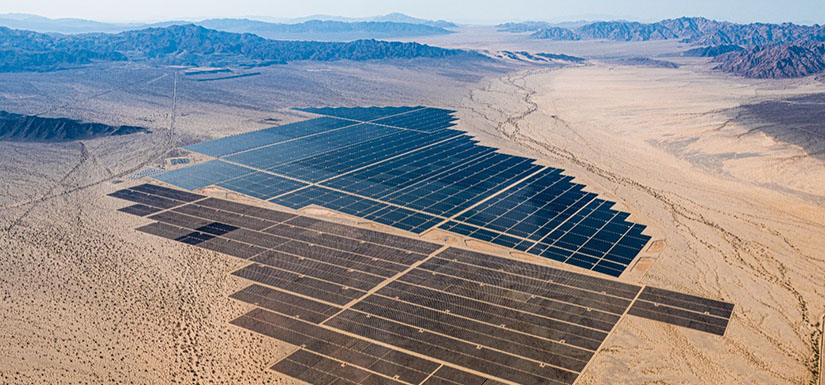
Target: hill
192	45
555	33
26	128
711	51
774	62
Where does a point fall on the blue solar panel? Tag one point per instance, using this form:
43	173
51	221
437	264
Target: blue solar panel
268	157
246	141
261	185
407	169
202	174
334	163
399	217
364	114
550	216
427	119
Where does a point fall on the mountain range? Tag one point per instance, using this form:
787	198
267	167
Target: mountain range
694	30
191	45
756	50
318	28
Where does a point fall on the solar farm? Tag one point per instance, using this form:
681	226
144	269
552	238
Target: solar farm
367	307
406	167
362	306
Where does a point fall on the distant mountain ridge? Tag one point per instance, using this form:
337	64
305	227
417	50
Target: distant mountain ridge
191	45
757	50
391	25
695	30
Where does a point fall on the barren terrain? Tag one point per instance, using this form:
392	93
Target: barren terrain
738	214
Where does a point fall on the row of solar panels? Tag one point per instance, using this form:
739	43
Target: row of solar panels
404	167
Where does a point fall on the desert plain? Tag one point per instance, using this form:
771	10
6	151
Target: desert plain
734	199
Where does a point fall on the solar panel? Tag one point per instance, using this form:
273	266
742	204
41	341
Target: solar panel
271	156
337	162
364	307
361	207
246	141
203	174
261	185
364	114
426	119
408	169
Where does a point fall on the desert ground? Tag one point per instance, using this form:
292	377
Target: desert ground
737	214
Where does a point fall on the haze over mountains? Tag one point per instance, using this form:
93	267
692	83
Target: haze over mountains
757	50
191	45
320	27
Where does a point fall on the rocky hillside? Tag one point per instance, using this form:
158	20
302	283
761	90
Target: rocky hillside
711	51
696	30
25	128
757	50
192	45
555	33
774	62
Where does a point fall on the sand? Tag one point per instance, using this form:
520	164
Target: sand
737	216
741	214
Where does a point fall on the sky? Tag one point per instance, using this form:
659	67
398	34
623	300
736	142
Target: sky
466	11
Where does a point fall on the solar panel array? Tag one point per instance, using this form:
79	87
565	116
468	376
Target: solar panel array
406	167
365	307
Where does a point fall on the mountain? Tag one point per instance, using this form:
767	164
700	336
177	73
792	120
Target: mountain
32	51
387	26
192	45
402	18
694	30
44	24
774	62
526	26
624	31
391	17
27	128
555	33
711	51
323	29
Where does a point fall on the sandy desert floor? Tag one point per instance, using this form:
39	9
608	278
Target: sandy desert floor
741	215
86	299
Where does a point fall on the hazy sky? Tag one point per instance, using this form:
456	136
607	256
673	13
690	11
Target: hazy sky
466	11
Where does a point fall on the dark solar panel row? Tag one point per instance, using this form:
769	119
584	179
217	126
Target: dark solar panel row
179	195
334	163
427	119
373	210
447	375
453	350
546	273
247	141
364	114
507	319
268	157
285	303
373	251
362	355
684	310
139	210
261	185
